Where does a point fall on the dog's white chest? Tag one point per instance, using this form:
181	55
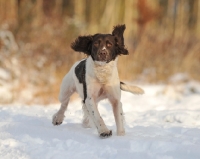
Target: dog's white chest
103	73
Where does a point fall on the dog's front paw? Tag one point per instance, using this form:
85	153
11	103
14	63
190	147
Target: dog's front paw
106	134
57	119
120	133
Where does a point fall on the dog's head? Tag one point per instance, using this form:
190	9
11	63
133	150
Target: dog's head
102	47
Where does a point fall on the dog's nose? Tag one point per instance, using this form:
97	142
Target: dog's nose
103	55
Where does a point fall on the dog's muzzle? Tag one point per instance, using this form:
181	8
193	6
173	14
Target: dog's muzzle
103	55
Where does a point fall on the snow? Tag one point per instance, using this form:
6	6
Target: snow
159	125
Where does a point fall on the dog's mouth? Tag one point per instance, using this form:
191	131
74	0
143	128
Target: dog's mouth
103	56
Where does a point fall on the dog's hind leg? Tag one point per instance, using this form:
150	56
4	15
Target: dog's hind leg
114	95
119	118
67	89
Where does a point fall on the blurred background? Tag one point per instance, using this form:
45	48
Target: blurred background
162	36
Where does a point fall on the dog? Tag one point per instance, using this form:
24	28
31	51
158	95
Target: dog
96	78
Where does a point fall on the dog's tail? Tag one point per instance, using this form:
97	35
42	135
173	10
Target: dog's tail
131	89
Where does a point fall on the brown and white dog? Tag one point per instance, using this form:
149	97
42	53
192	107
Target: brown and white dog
96	78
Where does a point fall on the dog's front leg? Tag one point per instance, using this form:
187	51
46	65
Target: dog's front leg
91	106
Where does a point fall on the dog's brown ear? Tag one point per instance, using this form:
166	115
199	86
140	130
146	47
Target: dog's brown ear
118	32
82	44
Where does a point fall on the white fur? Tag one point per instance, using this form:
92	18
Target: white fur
104	48
102	81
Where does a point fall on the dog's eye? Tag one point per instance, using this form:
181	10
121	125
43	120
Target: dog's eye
96	43
108	44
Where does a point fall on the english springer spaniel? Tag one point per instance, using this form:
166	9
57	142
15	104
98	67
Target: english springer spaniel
96	78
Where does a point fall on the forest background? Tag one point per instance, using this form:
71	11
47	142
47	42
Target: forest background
162	36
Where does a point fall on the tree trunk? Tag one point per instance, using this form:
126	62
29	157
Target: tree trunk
8	12
197	17
79	14
107	16
130	19
58	9
37	13
181	18
171	16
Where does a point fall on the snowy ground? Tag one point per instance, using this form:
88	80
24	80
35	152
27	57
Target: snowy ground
162	124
